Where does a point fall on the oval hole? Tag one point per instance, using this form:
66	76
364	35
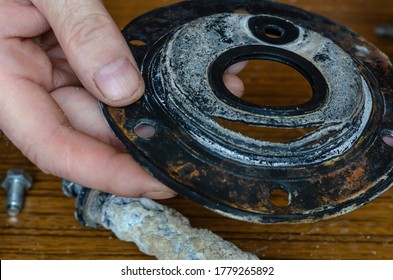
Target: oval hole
145	129
279	198
271	83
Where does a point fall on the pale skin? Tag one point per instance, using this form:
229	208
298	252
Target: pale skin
57	58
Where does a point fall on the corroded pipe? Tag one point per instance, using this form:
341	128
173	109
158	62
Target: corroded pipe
157	230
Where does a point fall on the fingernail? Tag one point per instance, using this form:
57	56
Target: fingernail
118	80
159	194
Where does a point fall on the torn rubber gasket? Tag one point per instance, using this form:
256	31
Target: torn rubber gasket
184	49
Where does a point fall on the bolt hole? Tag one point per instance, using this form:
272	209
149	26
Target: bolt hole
280	198
137	42
241	11
387	137
273	31
361	51
145	129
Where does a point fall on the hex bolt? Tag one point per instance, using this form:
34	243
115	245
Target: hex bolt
16	183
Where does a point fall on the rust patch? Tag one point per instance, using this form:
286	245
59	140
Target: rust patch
187	170
356	178
118	115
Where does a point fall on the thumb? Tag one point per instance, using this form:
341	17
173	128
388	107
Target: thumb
95	49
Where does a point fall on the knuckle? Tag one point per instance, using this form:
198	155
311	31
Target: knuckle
86	30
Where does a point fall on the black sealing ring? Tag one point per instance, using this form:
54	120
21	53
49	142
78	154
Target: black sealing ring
273	30
243	53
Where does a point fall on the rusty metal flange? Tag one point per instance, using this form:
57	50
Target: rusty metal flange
337	167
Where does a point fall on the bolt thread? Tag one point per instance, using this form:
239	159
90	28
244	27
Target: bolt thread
15	198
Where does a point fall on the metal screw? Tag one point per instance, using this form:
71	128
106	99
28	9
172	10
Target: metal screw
16	184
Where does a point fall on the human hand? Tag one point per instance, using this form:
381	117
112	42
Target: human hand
56	59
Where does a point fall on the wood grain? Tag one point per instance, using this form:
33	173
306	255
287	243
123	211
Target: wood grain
47	229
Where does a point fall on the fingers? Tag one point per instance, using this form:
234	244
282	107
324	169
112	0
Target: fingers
237	67
36	125
95	49
21	19
61	74
83	113
234	84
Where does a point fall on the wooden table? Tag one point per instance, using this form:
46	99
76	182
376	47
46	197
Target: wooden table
47	229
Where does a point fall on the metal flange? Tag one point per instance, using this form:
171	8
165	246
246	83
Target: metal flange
183	51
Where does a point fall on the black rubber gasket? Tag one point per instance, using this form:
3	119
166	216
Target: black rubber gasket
308	70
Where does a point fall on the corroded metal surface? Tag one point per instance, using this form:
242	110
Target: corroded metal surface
156	229
339	165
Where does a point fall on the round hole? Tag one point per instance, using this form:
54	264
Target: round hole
361	51
136	42
241	11
145	129
273	31
280	198
387	137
